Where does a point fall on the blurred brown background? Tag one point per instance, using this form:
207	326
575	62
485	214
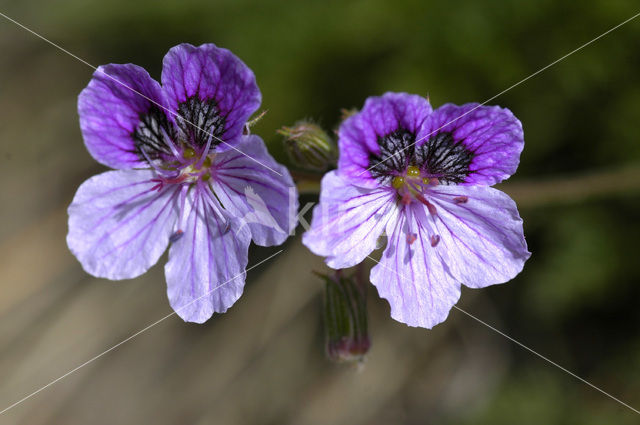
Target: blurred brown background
263	362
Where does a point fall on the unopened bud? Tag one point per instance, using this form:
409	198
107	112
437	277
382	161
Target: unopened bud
345	318
309	146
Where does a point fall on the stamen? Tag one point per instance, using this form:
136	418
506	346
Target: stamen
188	153
430	206
205	152
397	182
413	171
170	143
183	201
152	164
175	237
460	200
435	239
411	238
210	197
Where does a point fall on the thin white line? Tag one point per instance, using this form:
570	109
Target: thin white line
135	91
505	90
520	344
133	336
545	358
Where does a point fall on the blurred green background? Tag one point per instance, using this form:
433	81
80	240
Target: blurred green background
577	301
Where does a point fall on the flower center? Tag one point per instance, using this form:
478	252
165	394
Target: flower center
412	186
439	156
198	169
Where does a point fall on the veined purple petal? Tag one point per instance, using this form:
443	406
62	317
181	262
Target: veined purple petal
211	88
117	113
492	134
119	225
481	236
380	116
348	221
250	188
206	269
411	276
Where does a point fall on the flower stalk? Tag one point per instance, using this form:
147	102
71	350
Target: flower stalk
345	317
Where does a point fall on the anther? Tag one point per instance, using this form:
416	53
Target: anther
413	171
188	153
411	238
435	239
460	199
397	182
176	236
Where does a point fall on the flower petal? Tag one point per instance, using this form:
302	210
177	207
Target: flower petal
481	237
492	134
119	226
118	113
206	268
380	116
257	190
348	221
212	89
411	276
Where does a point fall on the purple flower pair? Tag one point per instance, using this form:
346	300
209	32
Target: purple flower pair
187	176
422	177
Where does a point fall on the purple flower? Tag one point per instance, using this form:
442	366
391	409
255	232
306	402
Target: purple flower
422	177
186	176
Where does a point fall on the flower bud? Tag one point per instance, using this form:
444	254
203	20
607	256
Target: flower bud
345	318
309	146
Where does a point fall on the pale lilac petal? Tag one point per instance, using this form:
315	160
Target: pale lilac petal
256	190
411	276
117	113
206	269
119	226
493	135
348	221
213	89
481	236
380	116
